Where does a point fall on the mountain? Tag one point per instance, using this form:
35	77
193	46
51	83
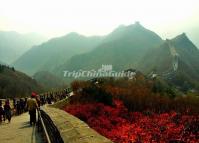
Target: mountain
54	52
122	49
176	60
13	44
48	80
16	84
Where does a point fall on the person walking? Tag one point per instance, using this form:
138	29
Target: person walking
32	106
1	112
22	105
7	110
18	107
25	104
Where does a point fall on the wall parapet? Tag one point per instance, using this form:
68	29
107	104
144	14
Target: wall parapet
71	129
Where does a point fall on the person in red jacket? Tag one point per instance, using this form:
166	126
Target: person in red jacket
32	106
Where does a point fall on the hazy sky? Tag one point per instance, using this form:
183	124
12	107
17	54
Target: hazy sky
99	17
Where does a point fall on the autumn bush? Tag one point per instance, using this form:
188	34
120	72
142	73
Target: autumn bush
86	92
139	96
131	112
122	126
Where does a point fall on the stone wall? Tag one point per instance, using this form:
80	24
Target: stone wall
73	130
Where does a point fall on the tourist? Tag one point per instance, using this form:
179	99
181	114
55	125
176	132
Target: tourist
22	105
38	100
32	106
15	103
18	107
25	104
1	111
7	110
42	100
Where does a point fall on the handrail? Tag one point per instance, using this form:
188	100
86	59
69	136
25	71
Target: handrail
40	121
50	130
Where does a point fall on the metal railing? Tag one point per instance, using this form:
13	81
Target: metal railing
50	130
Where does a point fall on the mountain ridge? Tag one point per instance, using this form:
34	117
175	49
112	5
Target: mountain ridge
56	51
129	48
175	60
13	44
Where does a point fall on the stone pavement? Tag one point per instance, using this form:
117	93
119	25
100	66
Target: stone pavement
19	131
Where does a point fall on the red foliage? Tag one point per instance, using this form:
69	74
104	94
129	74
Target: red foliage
121	126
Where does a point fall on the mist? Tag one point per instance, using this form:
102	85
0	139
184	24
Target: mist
53	18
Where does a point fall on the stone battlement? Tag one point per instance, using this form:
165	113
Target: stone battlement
72	129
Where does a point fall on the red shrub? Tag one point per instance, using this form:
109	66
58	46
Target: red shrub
121	126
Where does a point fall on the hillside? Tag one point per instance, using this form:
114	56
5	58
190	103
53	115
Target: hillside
176	60
54	52
122	49
132	46
16	84
48	81
132	111
13	44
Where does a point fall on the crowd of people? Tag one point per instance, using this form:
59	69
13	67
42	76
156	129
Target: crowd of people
21	105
